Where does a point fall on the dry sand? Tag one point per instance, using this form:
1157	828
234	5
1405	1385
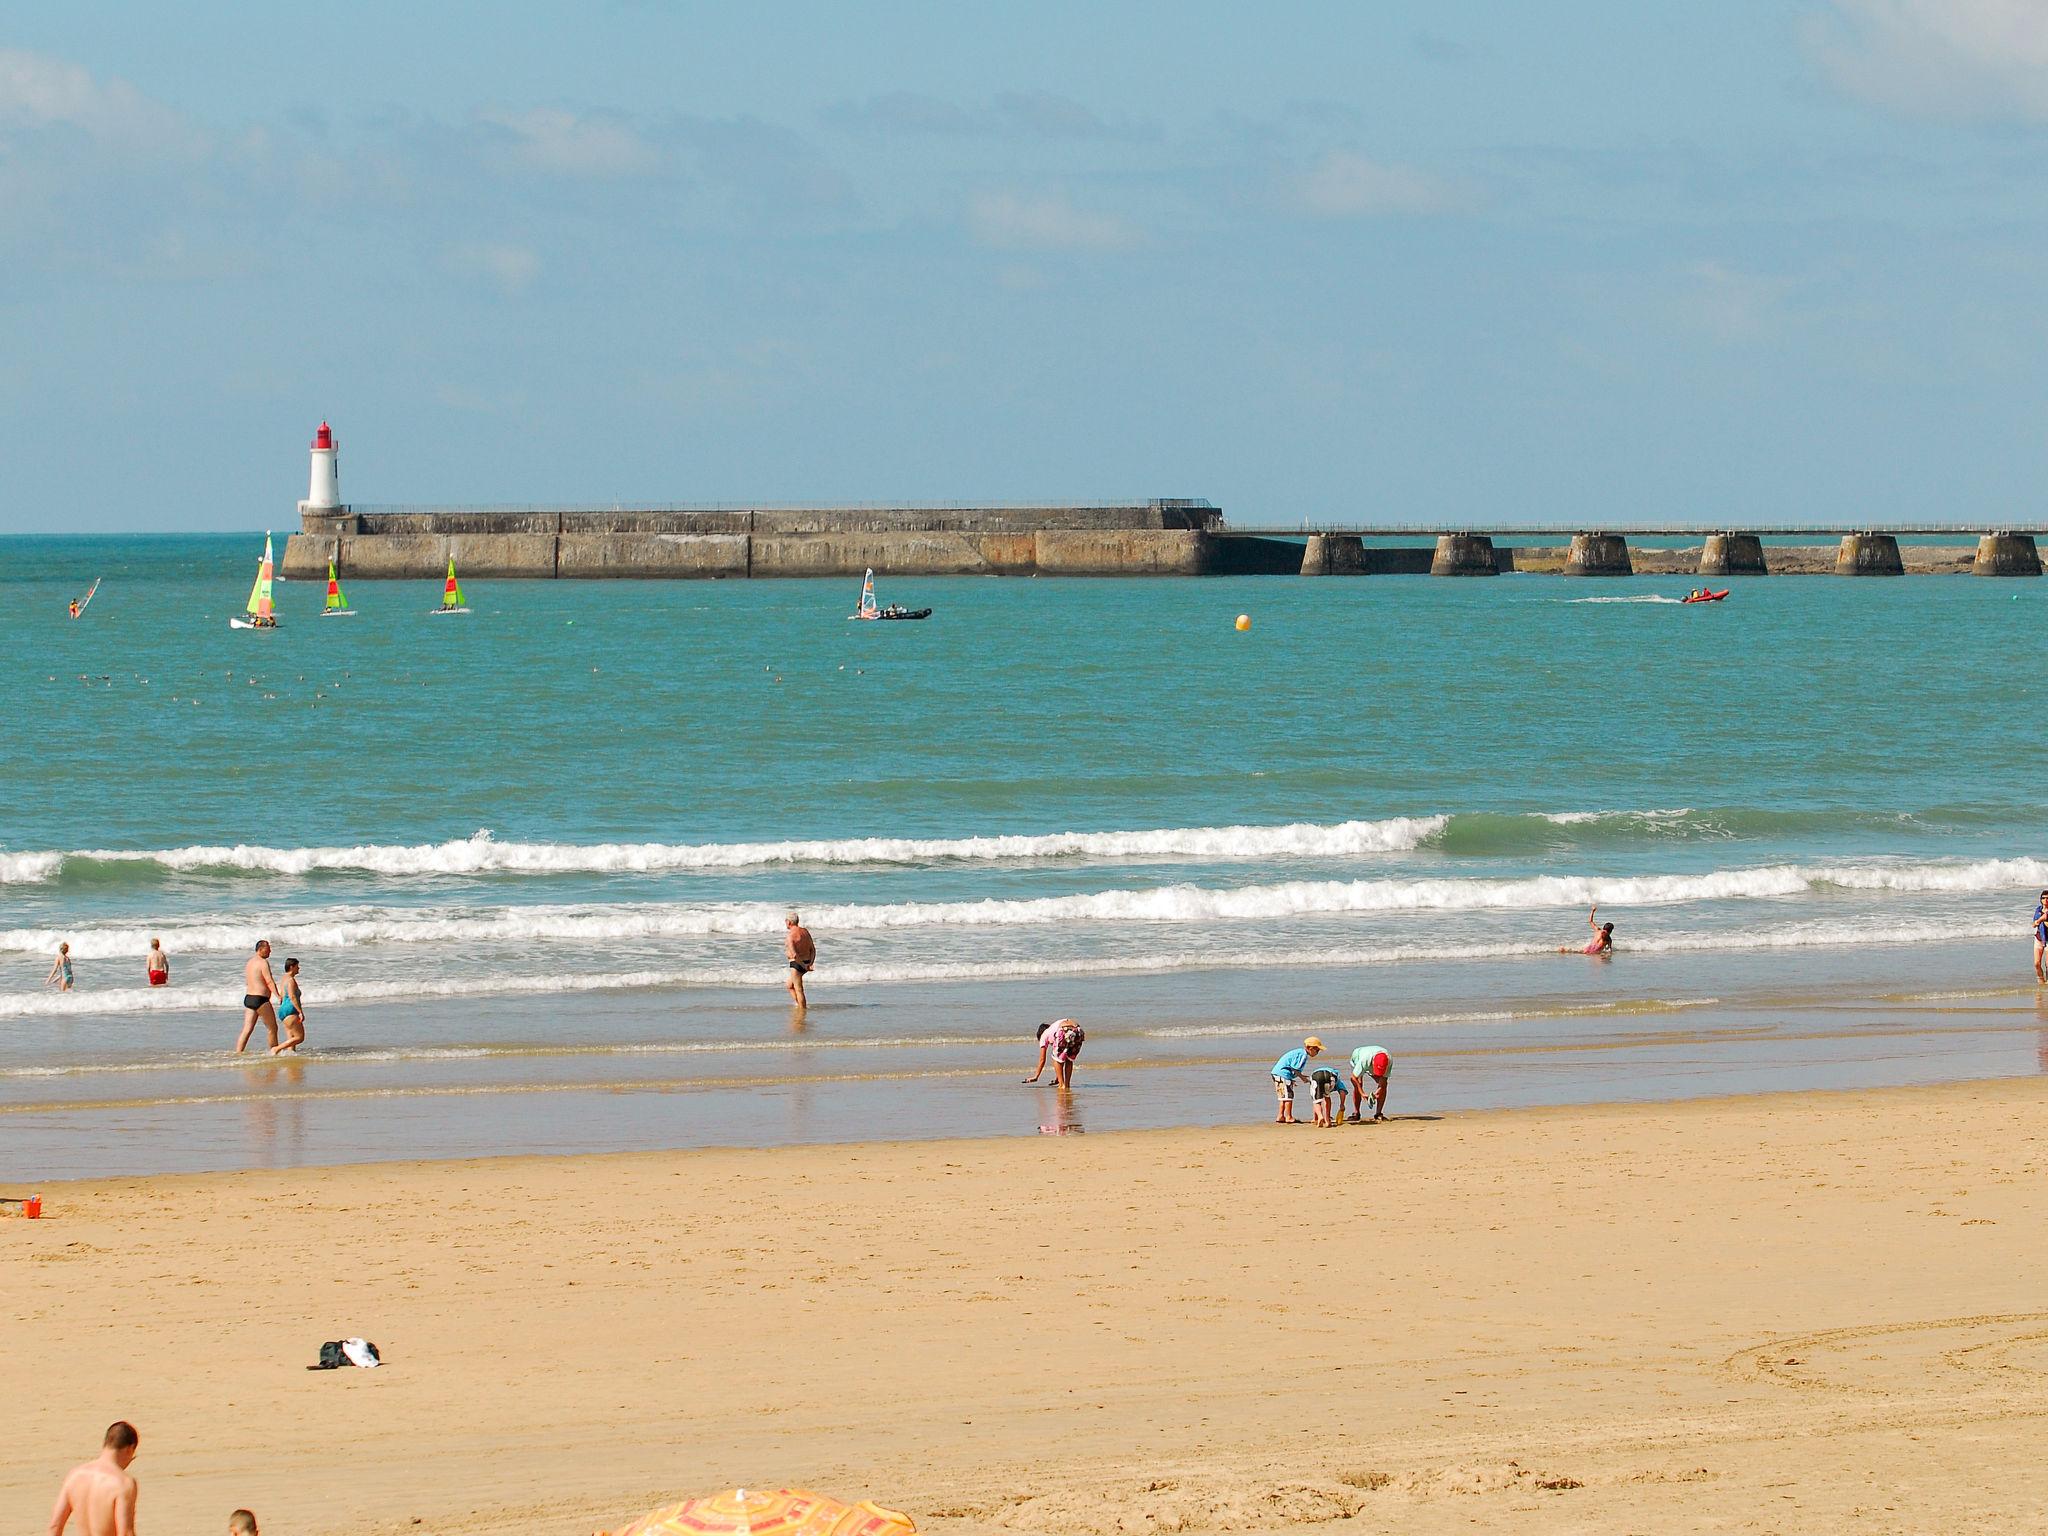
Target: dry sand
1795	1313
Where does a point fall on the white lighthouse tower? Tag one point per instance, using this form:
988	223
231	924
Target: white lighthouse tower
323	490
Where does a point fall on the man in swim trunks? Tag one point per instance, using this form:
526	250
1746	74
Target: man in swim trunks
1289	1070
291	1010
801	950
159	964
1602	942
259	994
100	1492
2041	939
1369	1061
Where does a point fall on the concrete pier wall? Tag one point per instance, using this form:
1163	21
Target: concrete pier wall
1166	538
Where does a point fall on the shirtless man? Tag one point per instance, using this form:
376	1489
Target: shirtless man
801	950
259	997
100	1492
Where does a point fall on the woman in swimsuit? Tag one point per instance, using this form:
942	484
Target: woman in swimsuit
1602	942
2041	939
291	1011
60	970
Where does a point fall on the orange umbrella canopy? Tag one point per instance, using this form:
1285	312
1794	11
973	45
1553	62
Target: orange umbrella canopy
770	1512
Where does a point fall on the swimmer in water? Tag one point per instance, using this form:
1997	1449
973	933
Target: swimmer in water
291	1010
1602	942
60	970
158	964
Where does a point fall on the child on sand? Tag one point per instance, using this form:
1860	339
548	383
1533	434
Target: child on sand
1289	1070
241	1523
1328	1088
1062	1039
1369	1061
291	1011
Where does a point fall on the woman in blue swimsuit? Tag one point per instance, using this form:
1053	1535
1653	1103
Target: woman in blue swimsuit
2041	939
291	1011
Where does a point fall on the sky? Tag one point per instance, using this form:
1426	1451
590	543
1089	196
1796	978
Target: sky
1451	263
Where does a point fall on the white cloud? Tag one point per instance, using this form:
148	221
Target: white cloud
1010	221
1347	185
1731	305
39	92
511	269
1966	58
564	143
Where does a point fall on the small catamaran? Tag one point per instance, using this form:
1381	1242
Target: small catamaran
337	605
452	600
262	615
868	610
80	604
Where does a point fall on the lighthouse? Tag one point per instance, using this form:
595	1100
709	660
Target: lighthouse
323	490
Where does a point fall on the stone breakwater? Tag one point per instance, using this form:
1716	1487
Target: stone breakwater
1166	537
1155	538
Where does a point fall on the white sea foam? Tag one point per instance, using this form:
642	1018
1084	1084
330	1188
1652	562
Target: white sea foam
482	854
499	984
1642	597
351	928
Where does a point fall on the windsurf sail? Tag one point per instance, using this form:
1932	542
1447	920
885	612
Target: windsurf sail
334	598
85	602
451	594
867	597
259	595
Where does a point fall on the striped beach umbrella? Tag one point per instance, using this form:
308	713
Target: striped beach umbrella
770	1512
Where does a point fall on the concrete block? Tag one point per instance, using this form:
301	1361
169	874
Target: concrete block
1732	554
2007	554
1598	554
1869	554
1464	554
1333	554
848	554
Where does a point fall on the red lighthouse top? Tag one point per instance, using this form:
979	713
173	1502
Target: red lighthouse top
324	438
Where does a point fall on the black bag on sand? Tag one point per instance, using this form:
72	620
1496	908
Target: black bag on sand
331	1357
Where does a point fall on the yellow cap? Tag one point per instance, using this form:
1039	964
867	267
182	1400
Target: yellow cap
1313	1043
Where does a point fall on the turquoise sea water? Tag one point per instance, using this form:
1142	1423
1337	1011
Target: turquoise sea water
542	852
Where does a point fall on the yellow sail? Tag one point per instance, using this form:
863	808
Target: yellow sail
259	595
334	597
451	594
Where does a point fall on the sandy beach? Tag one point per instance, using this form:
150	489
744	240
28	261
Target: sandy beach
1793	1312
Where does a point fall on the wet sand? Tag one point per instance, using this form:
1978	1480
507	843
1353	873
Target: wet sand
1780	1313
650	1070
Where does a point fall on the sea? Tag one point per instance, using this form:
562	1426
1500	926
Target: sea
534	860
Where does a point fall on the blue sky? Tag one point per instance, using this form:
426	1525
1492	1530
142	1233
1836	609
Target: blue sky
1446	262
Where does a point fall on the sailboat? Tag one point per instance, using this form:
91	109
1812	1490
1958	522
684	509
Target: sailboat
452	600
261	614
337	605
868	610
80	604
